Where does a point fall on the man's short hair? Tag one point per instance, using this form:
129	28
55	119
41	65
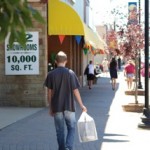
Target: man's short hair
61	57
90	61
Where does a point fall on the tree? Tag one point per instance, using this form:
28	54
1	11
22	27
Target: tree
15	17
130	35
112	42
131	42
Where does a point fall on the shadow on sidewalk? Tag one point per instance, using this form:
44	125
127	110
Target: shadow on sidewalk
37	131
98	101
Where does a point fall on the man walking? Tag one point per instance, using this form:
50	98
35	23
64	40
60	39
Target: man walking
62	84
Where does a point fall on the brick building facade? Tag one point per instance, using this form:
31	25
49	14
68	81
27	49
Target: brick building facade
26	90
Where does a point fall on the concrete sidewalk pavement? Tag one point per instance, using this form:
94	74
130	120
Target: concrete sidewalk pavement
9	115
33	129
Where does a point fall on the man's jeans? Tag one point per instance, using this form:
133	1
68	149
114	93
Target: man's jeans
60	119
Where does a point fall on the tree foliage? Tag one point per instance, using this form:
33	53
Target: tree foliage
15	17
127	36
131	40
112	41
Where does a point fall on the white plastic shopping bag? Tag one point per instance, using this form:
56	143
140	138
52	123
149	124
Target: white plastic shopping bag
86	128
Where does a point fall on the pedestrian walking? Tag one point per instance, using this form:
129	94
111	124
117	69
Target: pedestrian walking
62	84
90	73
129	72
113	72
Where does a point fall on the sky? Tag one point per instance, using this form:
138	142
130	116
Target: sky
102	9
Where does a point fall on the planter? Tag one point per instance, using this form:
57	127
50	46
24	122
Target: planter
139	92
132	107
133	80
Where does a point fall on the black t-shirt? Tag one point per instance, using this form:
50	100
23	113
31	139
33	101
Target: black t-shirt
113	65
62	82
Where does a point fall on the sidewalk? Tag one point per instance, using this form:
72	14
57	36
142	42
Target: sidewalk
33	128
9	115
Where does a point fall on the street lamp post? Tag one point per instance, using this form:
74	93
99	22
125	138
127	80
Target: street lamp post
139	70
146	111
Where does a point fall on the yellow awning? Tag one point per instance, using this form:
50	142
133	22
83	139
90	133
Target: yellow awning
64	20
93	38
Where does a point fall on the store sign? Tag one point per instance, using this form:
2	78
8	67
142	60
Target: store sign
21	60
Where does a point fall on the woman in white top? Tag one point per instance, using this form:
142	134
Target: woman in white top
90	75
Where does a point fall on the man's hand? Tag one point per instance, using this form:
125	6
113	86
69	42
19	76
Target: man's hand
51	113
84	109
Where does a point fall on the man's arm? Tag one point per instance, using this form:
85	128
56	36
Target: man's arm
79	100
49	101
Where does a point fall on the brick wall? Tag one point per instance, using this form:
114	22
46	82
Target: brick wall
26	90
